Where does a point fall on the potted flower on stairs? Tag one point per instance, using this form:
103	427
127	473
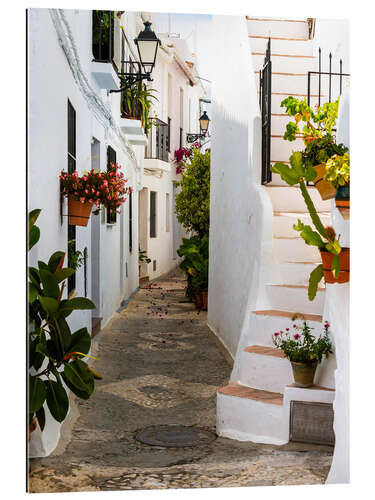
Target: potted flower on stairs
337	173
304	351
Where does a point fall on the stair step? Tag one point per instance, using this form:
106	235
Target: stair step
278	27
282	46
295	273
289	199
265	368
285	63
249	414
288	314
287	248
284	297
237	390
283	222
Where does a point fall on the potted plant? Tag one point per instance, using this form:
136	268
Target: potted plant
107	189
303	350
335	260
142	257
337	173
315	129
55	353
136	104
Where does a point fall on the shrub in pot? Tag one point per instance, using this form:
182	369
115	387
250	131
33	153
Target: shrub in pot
337	173
55	353
136	104
324	238
304	351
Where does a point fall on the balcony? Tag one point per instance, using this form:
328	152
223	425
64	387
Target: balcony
103	67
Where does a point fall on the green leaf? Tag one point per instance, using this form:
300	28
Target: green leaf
33	215
65	332
34	236
286	173
77	303
49	304
80	341
334	247
41	417
42	265
310	237
62	274
34	276
315	278
43	349
310	174
55	260
36	357
33	292
296	161
37	394
79	377
336	266
50	284
57	400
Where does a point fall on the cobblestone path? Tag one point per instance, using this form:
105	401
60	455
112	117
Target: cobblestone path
161	366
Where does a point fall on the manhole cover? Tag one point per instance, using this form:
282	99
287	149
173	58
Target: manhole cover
175	436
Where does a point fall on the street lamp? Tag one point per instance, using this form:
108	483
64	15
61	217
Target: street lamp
203	124
147	44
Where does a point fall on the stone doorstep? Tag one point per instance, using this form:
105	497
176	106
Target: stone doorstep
264	350
288	314
240	391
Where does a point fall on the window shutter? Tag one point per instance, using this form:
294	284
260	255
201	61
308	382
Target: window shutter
152	214
111	158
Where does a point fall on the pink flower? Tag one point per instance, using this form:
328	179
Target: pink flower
86	191
276	334
82	200
84	178
287	329
294	326
297	336
75	173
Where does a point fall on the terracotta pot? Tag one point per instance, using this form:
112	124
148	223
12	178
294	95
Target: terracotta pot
325	188
304	373
204	301
327	258
198	300
79	213
32	426
343	201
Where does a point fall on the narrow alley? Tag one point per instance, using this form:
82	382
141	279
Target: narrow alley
161	367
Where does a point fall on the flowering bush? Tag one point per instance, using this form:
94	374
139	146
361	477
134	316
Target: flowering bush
99	188
303	347
181	156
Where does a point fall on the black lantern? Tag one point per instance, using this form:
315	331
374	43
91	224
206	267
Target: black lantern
147	44
203	122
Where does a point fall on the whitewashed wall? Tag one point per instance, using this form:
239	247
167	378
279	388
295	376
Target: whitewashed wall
56	75
240	210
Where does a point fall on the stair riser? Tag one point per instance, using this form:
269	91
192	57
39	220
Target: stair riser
294	250
290	199
268	373
283	225
283	149
289	299
292	84
278	28
293	274
248	420
263	327
283	64
300	47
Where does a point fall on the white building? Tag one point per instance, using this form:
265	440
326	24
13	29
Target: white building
259	266
179	91
75	123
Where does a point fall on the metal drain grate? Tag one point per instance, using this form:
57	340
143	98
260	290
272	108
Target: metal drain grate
175	436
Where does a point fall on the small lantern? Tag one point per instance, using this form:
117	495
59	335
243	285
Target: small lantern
204	122
147	44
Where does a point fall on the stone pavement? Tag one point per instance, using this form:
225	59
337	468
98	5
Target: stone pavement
162	366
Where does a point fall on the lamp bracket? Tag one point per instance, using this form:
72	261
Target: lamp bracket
194	137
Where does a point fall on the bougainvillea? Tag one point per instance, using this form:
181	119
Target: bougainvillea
181	156
107	189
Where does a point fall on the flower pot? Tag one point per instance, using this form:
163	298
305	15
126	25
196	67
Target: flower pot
204	301
344	257
304	373
32	426
198	300
79	213
343	201
325	188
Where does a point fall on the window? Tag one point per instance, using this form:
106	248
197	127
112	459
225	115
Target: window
71	168
152	214
181	137
111	158
169	135
167	215
130	201
102	35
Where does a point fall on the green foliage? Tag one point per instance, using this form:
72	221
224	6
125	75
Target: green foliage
53	349
142	257
338	170
320	150
76	258
296	171
316	277
195	263
192	204
309	125
303	347
34	231
136	102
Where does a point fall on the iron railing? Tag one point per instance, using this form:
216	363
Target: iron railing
158	141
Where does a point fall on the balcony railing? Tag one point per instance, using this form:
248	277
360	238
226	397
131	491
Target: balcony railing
158	141
103	35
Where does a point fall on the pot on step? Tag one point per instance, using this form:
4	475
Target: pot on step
344	274
343	201
325	188
304	373
198	300
204	301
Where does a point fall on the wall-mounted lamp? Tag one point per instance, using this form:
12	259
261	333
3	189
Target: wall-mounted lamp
204	122
147	44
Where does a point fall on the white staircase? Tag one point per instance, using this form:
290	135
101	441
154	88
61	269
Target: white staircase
254	408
